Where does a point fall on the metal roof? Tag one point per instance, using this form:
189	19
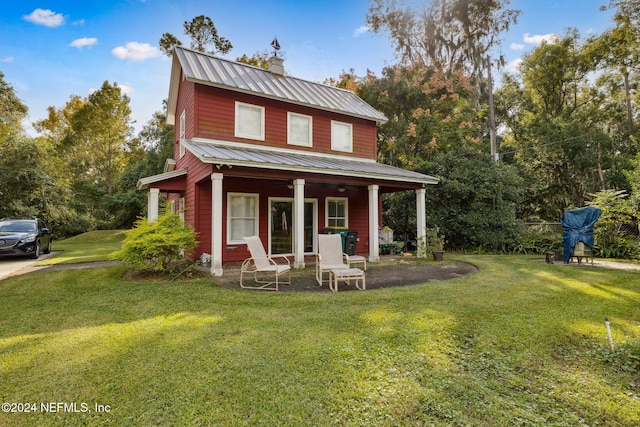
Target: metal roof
290	160
146	181
213	71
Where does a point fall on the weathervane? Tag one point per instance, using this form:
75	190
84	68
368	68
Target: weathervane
276	46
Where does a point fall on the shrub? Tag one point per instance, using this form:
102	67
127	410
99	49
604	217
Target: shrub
158	246
536	239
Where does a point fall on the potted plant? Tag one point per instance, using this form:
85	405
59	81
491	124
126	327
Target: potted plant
434	242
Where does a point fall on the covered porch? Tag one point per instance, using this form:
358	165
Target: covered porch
286	199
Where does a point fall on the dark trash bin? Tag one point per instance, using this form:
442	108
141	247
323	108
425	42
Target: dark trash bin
350	242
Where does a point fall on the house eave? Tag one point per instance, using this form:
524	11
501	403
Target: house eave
146	182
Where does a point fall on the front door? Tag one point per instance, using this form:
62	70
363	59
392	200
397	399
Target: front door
281	225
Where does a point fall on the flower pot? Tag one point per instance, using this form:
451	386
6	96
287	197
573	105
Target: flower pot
438	255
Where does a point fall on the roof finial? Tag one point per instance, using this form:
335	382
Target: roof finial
276	46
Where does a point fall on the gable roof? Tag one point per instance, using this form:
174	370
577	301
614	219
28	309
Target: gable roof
210	70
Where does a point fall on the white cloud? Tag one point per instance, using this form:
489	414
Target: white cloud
512	66
45	17
79	22
85	41
539	38
517	46
134	51
126	90
361	30
7	59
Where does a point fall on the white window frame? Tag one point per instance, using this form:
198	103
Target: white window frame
346	211
239	133
183	124
291	138
230	218
336	144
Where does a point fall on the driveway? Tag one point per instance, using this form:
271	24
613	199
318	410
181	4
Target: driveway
14	265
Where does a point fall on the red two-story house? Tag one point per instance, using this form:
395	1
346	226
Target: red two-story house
258	152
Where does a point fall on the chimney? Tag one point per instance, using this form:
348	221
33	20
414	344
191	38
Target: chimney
276	66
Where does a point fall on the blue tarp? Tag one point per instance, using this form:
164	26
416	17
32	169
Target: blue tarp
578	227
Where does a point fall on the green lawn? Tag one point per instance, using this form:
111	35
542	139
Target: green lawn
519	343
87	247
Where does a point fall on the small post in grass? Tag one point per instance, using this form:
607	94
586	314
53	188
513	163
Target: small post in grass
606	322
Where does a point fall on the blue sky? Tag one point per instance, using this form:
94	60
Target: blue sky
50	50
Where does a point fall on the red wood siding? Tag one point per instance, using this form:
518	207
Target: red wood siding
266	188
215	116
186	102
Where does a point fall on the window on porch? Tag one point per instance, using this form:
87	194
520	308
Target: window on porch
242	216
336	212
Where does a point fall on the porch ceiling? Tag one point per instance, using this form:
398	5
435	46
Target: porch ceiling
217	152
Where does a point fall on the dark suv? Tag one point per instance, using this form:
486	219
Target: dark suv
26	237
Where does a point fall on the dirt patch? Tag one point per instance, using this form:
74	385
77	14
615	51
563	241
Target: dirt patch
389	272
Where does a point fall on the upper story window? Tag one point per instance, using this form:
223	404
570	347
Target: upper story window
341	136
183	122
249	121
299	129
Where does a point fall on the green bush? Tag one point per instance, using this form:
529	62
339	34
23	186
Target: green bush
536	239
158	246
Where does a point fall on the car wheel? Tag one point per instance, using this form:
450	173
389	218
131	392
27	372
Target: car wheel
36	251
47	250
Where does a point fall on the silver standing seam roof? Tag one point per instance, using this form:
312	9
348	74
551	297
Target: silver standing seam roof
222	73
219	72
225	154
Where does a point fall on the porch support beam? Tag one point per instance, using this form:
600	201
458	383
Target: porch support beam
153	198
421	220
298	221
216	224
374	250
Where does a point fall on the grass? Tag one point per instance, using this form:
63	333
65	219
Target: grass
88	247
519	343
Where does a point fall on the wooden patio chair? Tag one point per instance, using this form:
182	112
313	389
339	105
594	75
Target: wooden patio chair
330	256
261	264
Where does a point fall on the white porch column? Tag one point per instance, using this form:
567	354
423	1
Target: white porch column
153	198
374	250
421	219
298	221
216	224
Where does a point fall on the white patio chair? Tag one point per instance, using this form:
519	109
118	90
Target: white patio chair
261	264
330	256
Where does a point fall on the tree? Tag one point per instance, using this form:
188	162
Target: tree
474	205
429	110
156	137
100	137
203	34
257	60
452	34
90	145
12	112
557	131
619	48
